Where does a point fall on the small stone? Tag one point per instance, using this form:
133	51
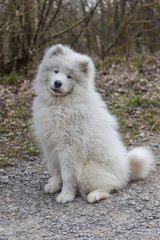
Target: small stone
142	135
81	235
2	171
138	209
4	179
156	145
131	203
146	199
13	209
129	228
130	142
58	220
57	238
147	206
33	159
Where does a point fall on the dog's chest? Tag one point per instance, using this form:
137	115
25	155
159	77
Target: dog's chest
62	125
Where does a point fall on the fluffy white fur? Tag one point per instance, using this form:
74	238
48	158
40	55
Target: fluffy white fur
77	134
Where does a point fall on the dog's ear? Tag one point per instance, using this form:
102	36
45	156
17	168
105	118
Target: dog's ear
57	50
84	66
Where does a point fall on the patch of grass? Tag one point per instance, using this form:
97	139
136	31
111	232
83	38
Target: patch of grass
112	59
153	101
135	100
140	100
4	163
12	78
127	110
3	131
152	118
20	149
138	60
151	60
21	112
109	60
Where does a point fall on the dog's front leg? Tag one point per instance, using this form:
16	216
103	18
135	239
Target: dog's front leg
68	173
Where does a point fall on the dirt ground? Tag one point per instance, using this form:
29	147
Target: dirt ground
27	212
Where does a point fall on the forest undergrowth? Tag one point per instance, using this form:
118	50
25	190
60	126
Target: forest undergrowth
131	90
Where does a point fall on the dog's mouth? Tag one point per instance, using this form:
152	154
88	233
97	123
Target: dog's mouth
59	92
56	90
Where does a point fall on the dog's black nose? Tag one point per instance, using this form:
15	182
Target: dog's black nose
57	84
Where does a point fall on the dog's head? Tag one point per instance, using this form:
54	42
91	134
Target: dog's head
63	70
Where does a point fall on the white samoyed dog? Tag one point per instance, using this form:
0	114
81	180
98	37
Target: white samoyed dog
77	134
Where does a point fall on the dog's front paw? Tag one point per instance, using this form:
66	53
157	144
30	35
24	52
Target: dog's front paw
65	197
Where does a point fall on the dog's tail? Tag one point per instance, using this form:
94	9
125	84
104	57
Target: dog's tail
141	162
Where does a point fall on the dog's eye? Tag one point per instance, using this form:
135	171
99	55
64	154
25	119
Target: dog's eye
69	76
56	71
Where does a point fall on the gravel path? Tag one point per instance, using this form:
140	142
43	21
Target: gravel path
26	212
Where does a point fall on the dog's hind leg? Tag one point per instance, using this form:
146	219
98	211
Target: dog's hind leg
97	195
96	182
